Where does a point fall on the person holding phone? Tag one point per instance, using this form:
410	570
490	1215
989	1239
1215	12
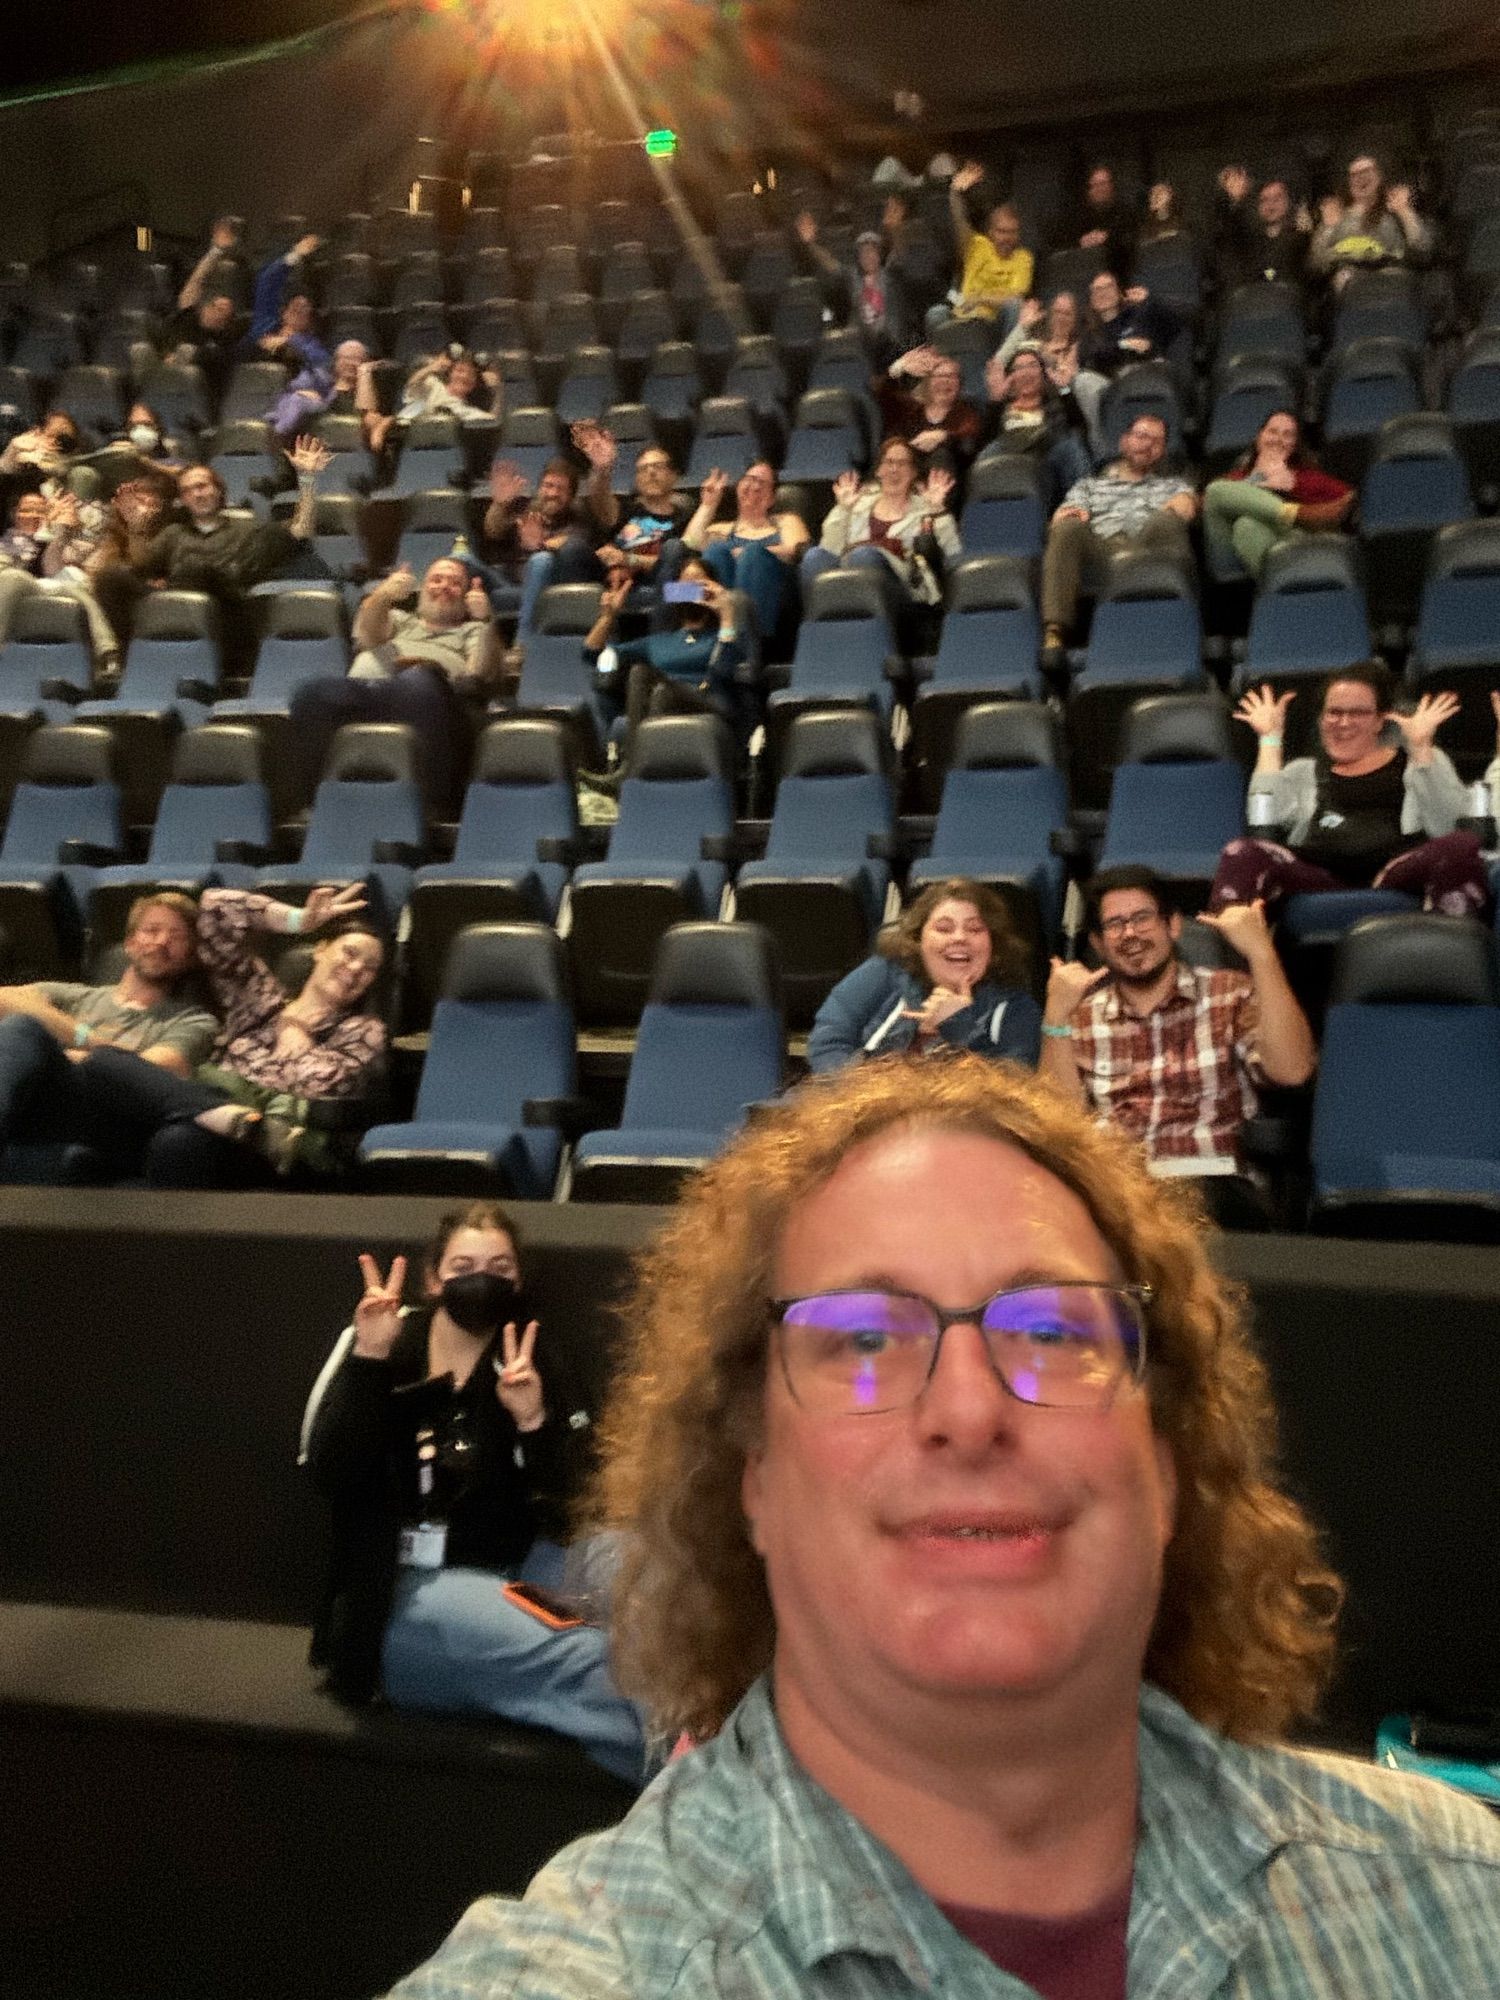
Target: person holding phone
445	1455
699	662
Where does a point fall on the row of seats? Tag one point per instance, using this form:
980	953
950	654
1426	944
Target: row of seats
1405	1113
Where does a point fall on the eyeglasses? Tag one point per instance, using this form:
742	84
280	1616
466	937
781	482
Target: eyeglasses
1060	1347
1133	920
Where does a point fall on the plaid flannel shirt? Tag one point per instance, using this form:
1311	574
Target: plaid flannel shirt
1181	1079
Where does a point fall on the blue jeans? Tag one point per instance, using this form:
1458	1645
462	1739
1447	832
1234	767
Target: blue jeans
455	1644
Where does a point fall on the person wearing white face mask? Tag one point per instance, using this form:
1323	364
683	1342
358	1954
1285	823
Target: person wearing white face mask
445	1446
146	435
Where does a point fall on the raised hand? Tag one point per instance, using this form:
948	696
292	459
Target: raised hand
1068	984
305	245
1420	727
1033	312
477	600
1495	711
846	489
1235	182
532	532
597	444
969	175
1264	710
1242	925
377	1317
917	361
805	227
507	482
331	900
1330	208
400	584
941	1003
996	379
1136	295
517	1383
713	489
308	458
615	592
937	488
1398	199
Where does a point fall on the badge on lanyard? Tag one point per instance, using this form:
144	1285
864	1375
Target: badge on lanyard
425	1545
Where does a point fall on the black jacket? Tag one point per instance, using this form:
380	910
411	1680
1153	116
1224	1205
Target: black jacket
362	1453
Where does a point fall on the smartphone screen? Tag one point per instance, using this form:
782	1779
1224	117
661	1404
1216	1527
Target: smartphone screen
682	593
544	1605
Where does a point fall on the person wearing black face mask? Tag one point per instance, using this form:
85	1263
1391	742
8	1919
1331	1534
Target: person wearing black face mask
445	1459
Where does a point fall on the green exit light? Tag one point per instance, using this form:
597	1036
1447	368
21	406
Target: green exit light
661	145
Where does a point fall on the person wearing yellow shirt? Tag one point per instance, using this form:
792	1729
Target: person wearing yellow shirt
995	271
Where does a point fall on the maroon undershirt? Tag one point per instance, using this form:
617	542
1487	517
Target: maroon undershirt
1062	1958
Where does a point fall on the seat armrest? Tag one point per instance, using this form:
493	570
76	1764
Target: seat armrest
191	688
568	1115
718	847
560	847
403	853
60	690
77	853
1069	843
255	853
884	847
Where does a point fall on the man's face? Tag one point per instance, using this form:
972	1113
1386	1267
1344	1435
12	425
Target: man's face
1101	189
945	381
553	495
348	357
162	947
215	314
1351	722
1003	230
29	514
1273	204
967	1544
1104	293
297	314
1134	939
1144	444
655	477
199	492
443	587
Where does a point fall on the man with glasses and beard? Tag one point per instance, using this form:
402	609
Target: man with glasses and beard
1172	1053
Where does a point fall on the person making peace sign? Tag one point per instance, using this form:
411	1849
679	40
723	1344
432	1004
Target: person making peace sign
444	1454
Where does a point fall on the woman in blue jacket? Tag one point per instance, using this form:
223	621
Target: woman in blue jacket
947	974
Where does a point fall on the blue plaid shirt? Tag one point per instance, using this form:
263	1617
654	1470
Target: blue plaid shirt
1260	1875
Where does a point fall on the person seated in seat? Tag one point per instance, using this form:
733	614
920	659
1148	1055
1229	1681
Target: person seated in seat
243	1117
347	389
103	570
1276	490
523	533
1374	225
995	268
939	423
1171	1053
224	553
51	1029
1378	806
1269	245
146	435
701	657
282	315
876	301
41	458
1102	221
442	1437
432	666
1122	327
1131	504
758	551
54	549
896	526
1054	329
1029	419
949	974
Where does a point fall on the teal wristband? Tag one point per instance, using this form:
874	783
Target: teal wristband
1058	1034
1272	739
295	920
83	1034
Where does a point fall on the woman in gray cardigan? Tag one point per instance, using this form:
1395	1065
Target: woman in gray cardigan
1378	807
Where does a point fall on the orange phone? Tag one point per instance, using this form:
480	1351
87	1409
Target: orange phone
555	1612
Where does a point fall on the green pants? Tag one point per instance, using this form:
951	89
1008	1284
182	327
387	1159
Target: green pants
1244	520
314	1149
